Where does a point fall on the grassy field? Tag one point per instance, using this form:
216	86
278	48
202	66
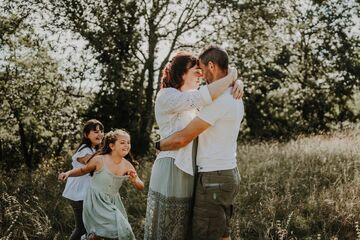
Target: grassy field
304	189
307	188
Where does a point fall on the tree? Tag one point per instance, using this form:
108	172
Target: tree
38	113
300	63
127	37
253	39
166	24
108	30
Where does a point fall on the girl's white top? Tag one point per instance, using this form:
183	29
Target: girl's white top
173	111
76	187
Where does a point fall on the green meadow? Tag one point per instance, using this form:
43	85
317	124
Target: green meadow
307	188
303	189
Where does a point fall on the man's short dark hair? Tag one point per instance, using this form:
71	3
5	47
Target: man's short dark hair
216	55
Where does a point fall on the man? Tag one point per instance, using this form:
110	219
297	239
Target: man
218	180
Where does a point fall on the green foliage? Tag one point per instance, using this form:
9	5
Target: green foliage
300	65
299	60
38	112
110	32
127	38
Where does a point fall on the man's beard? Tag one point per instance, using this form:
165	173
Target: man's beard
209	80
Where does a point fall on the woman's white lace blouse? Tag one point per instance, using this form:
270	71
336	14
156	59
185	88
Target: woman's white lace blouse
174	109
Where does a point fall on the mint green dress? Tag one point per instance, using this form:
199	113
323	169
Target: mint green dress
103	212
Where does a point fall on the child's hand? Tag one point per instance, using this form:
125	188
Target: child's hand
63	176
135	180
132	175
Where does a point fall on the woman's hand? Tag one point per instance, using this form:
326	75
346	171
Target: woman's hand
238	89
237	86
63	176
233	72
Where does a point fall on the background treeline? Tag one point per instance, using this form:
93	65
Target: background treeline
65	61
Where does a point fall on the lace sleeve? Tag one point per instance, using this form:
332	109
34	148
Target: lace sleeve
173	100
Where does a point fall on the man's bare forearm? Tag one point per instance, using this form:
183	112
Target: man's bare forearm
173	142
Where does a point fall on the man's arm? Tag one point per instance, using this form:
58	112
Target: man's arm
183	137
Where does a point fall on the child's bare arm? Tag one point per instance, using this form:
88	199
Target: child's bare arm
84	159
76	172
134	178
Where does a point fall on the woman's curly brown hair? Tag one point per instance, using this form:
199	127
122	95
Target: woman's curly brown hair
176	68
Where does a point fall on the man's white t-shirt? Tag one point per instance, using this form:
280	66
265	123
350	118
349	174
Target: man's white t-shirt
217	145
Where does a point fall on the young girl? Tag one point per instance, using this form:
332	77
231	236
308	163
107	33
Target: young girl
76	188
103	213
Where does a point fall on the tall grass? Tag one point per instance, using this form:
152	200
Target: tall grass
304	189
37	210
307	188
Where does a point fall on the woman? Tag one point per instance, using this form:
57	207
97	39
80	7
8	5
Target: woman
171	182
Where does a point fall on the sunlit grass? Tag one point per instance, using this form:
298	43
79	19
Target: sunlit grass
306	188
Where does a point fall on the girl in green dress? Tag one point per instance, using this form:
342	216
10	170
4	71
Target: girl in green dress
104	214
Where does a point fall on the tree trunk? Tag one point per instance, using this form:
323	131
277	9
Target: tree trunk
24	146
60	146
147	118
1	152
